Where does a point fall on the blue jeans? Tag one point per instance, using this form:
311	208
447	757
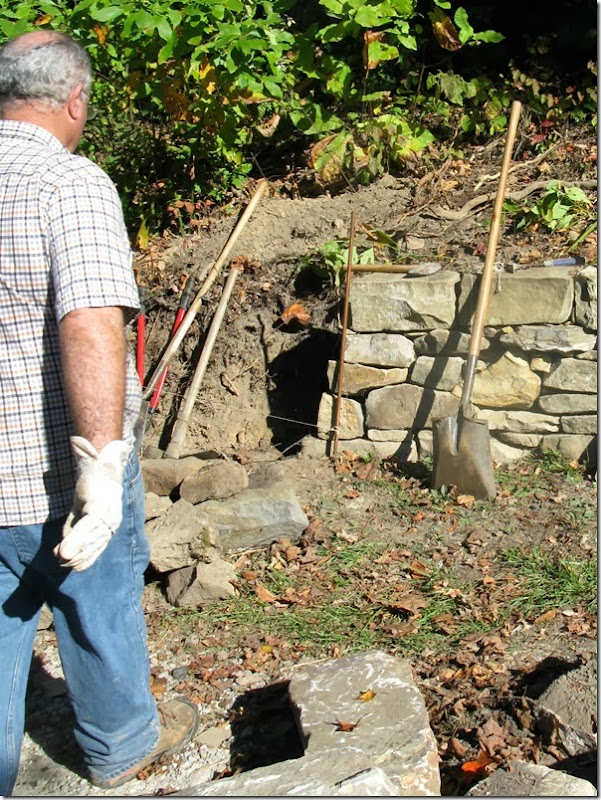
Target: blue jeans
101	637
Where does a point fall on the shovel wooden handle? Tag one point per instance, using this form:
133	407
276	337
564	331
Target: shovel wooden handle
487	272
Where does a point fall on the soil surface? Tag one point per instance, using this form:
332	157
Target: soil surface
401	542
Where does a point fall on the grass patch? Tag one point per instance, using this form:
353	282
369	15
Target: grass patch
360	605
550	583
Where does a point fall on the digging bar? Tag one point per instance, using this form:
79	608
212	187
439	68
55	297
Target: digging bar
461	443
410	270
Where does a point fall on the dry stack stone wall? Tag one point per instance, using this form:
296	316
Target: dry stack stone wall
536	383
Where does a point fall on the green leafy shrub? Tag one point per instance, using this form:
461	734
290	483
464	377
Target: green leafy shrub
559	208
190	91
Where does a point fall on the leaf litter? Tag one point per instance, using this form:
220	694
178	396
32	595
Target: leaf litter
426	580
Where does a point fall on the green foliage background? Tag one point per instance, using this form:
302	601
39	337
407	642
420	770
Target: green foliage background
195	95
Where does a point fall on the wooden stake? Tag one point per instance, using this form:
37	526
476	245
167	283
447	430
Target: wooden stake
347	291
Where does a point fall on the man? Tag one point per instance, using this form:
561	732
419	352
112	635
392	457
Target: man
71	493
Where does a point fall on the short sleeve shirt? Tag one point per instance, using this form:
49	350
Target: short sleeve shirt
63	246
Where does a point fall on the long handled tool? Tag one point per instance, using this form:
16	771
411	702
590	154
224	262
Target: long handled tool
180	429
176	340
140	336
184	304
347	292
462	443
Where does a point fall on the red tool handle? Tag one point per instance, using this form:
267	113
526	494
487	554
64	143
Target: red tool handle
184	304
141	330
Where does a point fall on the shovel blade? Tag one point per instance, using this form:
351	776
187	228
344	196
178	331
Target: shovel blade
462	456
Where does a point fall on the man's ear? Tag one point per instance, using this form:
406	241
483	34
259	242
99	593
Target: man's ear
76	103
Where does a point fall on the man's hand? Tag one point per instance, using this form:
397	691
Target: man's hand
98	502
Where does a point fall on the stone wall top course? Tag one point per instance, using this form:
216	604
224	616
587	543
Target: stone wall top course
533	296
381	302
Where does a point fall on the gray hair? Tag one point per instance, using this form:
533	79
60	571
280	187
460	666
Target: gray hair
42	68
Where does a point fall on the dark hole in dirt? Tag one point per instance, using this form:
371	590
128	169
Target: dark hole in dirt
298	377
264	729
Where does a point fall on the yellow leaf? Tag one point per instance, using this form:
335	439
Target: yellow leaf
419	569
43	20
325	157
142	237
158	686
445	32
366	696
101	31
133	80
207	76
268	127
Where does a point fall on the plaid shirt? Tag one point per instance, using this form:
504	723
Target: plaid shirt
63	246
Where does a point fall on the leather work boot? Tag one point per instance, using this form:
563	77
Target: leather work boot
179	723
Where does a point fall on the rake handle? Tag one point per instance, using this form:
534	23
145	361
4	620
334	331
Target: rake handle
487	272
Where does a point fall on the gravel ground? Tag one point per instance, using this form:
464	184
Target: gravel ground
50	761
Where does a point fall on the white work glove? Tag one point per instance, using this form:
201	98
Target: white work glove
98	503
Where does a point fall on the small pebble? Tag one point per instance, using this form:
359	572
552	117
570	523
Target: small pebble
179	673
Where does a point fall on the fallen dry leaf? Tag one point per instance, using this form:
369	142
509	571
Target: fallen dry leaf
410	602
292	552
368	470
466	500
346	727
295	311
492	736
366	696
479	765
158	686
457	748
264	594
418	569
403	630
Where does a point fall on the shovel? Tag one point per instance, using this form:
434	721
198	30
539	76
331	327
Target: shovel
461	446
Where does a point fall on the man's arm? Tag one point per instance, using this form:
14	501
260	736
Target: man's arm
93	353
